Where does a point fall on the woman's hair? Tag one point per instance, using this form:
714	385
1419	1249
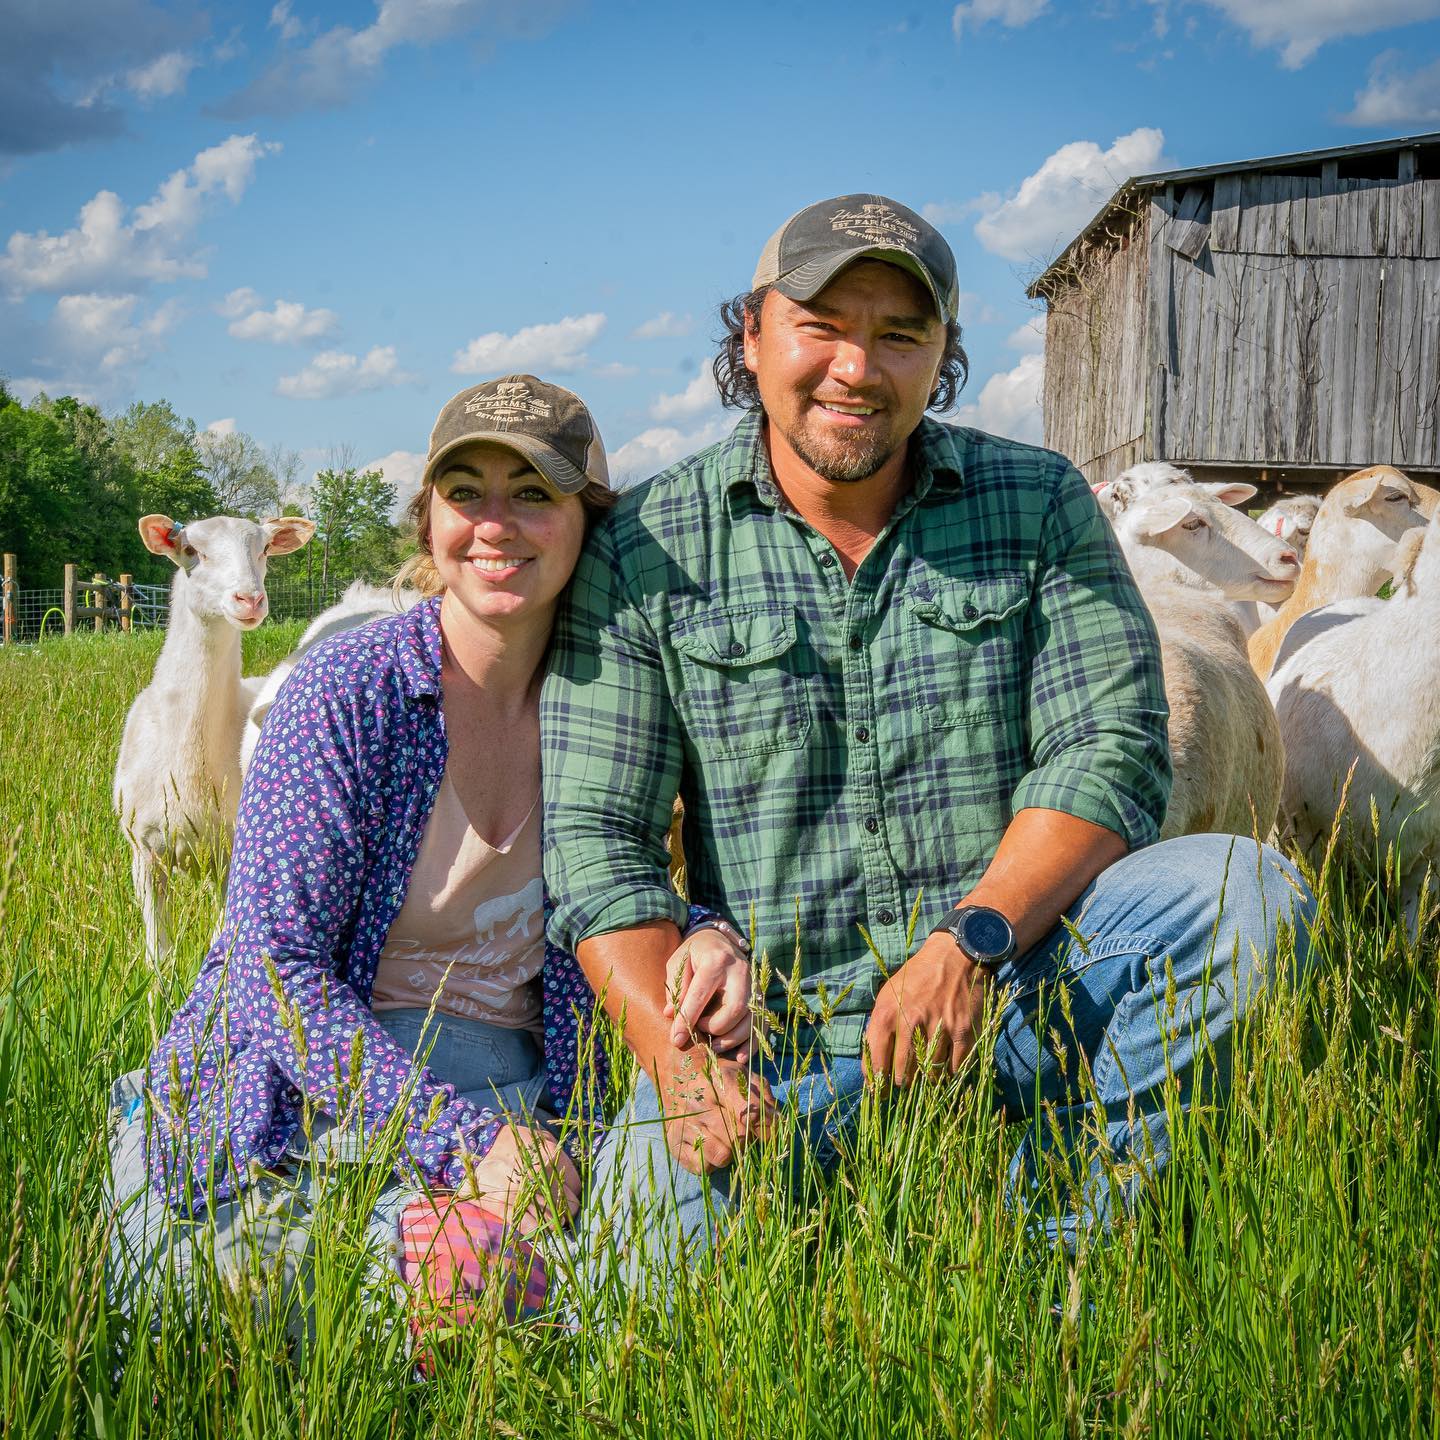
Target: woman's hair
419	570
736	383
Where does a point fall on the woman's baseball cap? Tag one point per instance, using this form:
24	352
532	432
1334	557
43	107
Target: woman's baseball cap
547	424
814	245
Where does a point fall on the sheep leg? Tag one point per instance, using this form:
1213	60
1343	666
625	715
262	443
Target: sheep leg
151	888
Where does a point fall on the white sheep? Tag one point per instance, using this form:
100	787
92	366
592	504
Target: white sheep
1351	553
1289	519
1152	474
361	603
1192	556
177	779
1364	693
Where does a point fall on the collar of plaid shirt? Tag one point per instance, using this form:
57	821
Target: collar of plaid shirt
848	753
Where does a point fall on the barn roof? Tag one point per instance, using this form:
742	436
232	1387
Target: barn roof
1137	184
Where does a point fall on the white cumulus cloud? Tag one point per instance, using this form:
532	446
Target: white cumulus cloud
1009	403
972	14
1029	338
108	250
403	469
652	450
1395	98
221	427
1300	27
667	325
1054	203
282	20
696	398
333	372
110	330
161	77
558	346
341	62
287	322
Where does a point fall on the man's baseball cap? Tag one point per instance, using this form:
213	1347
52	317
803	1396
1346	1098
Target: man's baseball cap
812	247
547	424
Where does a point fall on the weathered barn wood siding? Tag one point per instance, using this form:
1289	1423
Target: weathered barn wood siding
1095	356
1253	318
1305	334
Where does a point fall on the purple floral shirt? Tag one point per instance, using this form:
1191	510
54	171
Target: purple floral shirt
334	807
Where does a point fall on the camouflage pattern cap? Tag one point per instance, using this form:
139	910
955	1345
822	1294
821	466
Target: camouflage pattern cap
548	425
811	248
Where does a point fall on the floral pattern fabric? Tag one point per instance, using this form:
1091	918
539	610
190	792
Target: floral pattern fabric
331	817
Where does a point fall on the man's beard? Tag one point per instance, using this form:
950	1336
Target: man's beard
845	460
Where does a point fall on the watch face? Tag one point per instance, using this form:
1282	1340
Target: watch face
987	933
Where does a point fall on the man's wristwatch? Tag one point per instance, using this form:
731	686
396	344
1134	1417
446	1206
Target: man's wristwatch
985	935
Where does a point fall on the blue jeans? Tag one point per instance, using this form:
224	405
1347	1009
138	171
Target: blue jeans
1205	908
267	1230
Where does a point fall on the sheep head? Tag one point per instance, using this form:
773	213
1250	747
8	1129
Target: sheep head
224	559
1186	534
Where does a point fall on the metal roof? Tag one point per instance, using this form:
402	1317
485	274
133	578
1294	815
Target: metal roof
1203	172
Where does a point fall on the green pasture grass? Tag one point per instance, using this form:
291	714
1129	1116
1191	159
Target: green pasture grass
1283	1278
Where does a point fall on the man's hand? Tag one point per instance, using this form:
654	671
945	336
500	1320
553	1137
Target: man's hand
936	998
707	995
713	1108
525	1164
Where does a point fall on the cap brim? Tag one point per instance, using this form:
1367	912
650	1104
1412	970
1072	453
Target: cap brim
806	281
550	463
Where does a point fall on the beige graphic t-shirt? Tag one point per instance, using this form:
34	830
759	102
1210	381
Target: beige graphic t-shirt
473	909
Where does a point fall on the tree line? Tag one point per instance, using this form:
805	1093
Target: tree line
74	481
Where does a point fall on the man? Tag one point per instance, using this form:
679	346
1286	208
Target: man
894	669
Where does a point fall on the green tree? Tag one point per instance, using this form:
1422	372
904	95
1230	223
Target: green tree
44	491
353	530
164	452
239	474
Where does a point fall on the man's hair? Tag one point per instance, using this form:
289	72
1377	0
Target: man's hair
736	383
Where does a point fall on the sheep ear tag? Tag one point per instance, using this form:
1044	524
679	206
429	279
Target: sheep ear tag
161	535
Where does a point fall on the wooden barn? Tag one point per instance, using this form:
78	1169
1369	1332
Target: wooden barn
1275	320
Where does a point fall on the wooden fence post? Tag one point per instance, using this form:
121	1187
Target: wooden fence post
7	597
97	598
125	592
68	604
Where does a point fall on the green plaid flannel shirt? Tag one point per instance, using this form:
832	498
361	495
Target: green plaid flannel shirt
843	749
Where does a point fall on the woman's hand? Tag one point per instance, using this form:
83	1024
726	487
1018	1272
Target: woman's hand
707	995
525	1165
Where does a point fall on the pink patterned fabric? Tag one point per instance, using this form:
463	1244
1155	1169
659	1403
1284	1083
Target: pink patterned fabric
331	817
451	1253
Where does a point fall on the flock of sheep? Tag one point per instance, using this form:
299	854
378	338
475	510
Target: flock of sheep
1288	680
1283	671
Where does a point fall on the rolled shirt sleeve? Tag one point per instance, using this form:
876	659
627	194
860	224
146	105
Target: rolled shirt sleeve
611	759
1097	710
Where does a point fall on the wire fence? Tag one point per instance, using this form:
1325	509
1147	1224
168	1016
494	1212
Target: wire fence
104	604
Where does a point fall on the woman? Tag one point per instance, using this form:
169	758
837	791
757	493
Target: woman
386	873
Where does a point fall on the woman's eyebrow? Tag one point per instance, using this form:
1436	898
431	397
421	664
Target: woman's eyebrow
524	468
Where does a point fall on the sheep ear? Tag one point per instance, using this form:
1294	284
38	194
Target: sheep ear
1115	496
286	533
159	532
1164	513
1230	492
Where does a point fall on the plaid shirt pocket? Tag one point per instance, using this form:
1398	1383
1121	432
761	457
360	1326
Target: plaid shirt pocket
966	641
743	685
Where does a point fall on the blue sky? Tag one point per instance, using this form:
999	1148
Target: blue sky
317	221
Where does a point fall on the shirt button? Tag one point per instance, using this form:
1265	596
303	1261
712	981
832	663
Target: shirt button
828	560
856	642
872	825
736	648
885	917
969	611
861	734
